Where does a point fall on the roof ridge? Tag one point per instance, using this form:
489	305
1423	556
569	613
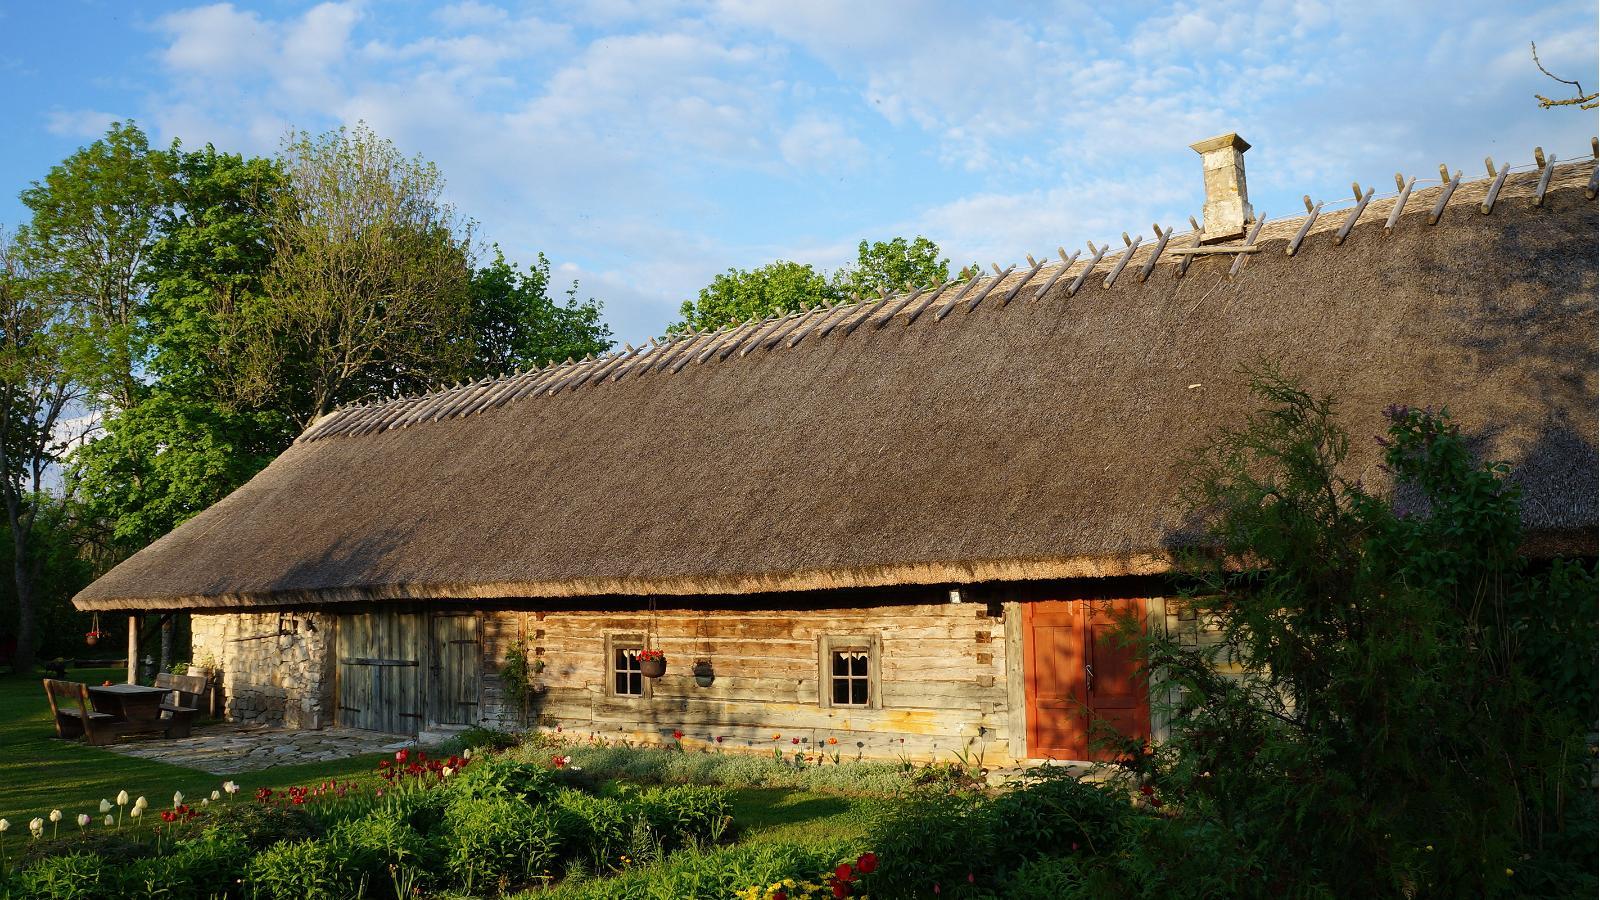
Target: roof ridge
675	352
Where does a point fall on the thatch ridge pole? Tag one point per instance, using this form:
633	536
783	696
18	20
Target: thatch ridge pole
467	398
1037	264
865	314
951	303
768	327
929	300
1487	206
1183	267
1593	189
1450	185
805	315
1400	202
1122	260
999	276
391	412
1311	219
549	375
600	374
1155	255
1238	260
883	320
1066	264
684	345
850	310
737	337
1099	254
486	399
801	334
1349	223
1549	167
727	339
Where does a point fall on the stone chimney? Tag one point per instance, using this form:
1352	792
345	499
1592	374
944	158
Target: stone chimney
1227	208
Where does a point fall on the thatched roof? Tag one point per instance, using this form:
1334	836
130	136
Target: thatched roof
1036	438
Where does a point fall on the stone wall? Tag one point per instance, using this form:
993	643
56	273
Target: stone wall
277	669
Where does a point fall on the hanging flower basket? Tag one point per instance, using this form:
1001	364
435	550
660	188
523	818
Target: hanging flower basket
93	637
652	663
703	673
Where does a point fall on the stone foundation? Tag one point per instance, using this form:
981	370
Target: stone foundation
277	668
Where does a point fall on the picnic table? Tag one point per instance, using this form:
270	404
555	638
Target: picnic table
134	704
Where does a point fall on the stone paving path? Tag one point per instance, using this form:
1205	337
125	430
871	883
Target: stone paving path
230	749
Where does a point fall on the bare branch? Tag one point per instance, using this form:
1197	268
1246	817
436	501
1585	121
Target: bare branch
1582	100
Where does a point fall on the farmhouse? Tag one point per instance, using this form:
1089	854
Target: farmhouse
900	526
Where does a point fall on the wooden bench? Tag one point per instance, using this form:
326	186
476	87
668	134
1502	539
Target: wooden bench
75	717
181	708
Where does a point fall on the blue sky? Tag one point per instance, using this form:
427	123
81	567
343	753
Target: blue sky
646	146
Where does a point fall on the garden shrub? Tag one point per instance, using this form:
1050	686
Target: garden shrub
300	870
943	839
709	874
502	777
594	830
259	825
496	841
188	870
381	845
1053	814
72	876
685	814
479	738
115	847
421	811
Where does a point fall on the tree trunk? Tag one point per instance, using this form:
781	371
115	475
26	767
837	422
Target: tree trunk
23	573
166	643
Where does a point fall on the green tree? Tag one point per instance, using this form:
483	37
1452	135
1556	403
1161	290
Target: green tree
516	324
1397	703
93	225
370	280
892	266
45	347
739	295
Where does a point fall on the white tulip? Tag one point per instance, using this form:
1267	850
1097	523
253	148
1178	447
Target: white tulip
105	806
205	802
177	799
140	803
230	787
5	825
216	795
83	820
55	815
446	771
467	753
109	821
136	811
36	825
122	798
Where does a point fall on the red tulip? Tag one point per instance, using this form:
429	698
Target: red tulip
844	872
677	735
867	864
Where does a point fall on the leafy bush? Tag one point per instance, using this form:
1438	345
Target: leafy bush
189	870
498	840
115	847
686	814
1053	814
653	765
299	870
937	839
478	738
506	778
713	874
73	876
381	845
259	825
594	830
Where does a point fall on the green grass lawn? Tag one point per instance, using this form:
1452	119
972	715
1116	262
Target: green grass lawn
39	772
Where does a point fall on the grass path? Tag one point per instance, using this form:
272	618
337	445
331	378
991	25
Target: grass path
39	772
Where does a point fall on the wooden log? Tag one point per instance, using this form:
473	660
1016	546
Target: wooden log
697	341
929	300
998	278
1544	181
1122	261
1155	255
1400	202
1487	206
1311	218
1249	247
1066	264
950	304
1024	280
894	310
738	338
801	334
1089	267
1450	185
831	324
730	338
1350	222
1183	267
801	319
867	313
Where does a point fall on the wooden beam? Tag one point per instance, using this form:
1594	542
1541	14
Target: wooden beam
895	309
1183	267
1494	189
1450	185
1122	261
1238	261
1215	251
1311	219
1349	223
1155	255
932	298
1400	202
1025	279
1089	267
1066	263
133	648
951	303
1544	179
998	277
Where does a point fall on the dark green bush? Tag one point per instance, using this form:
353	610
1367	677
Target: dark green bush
478	738
257	824
73	876
685	814
711	874
115	847
300	870
194	869
935	839
498	841
501	777
1053	814
594	830
383	848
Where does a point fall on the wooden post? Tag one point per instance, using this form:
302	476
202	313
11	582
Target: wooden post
133	648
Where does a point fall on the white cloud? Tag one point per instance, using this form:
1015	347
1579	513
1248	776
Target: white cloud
217	40
821	143
79	123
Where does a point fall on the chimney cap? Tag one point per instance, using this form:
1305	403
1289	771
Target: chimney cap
1220	142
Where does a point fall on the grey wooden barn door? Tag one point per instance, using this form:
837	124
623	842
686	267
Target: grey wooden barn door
454	663
380	671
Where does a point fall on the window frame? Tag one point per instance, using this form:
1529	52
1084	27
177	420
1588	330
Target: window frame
618	641
827	645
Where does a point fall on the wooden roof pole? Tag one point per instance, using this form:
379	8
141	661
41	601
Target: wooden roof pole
133	648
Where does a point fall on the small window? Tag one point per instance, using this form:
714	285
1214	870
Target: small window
847	669
624	678
852	683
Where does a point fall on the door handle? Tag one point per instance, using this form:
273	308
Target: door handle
1088	677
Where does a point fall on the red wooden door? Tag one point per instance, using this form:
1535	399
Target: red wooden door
1078	673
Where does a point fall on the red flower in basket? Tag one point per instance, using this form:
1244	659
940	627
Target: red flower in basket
647	655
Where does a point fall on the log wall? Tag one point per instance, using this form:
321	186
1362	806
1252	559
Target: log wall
942	679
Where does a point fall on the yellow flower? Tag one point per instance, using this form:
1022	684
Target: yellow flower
1430	848
1510	872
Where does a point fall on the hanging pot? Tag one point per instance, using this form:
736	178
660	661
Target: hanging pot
652	666
91	638
703	673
